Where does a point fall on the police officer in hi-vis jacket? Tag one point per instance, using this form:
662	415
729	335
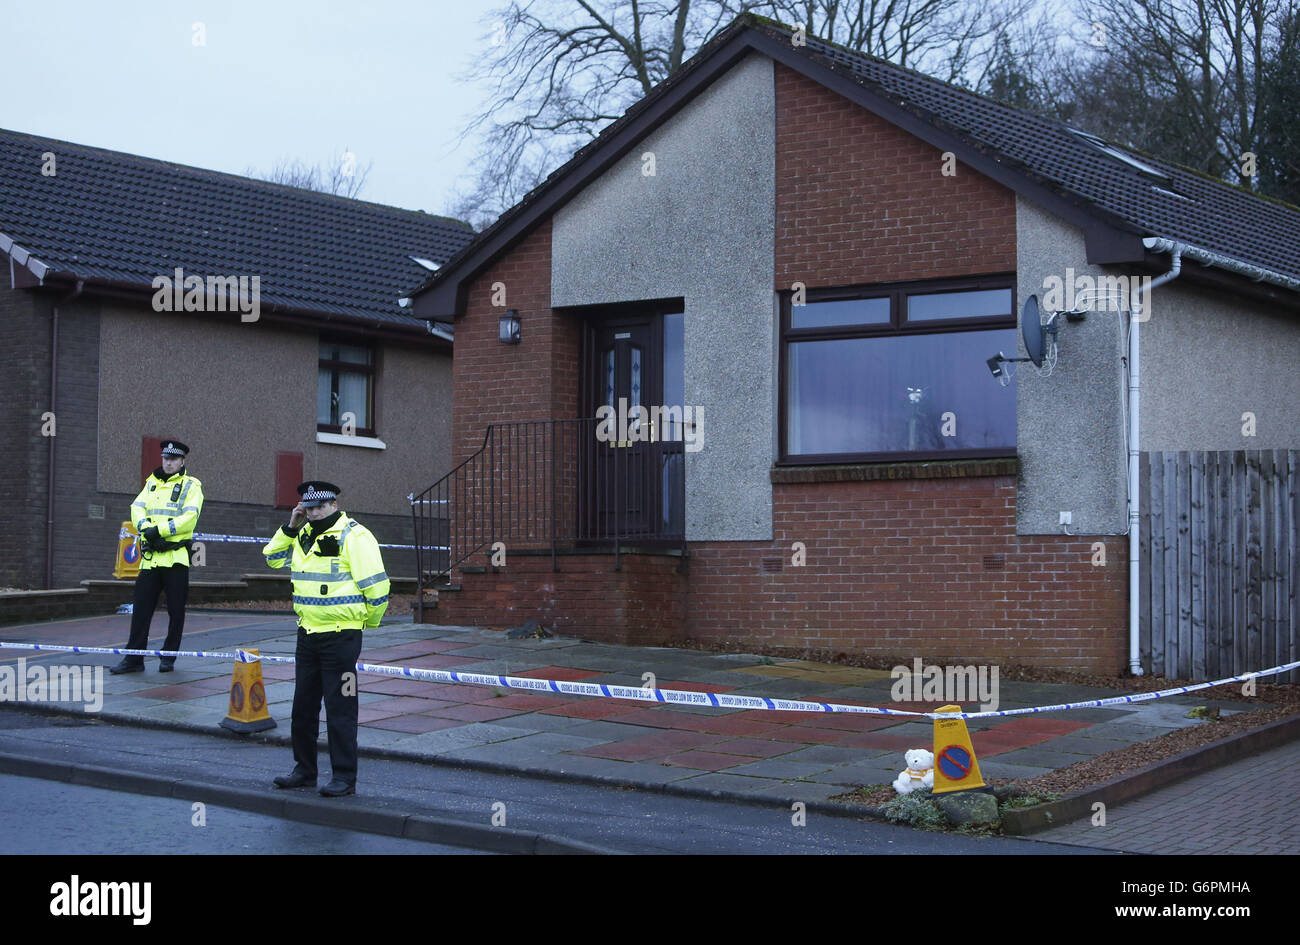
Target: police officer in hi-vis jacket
165	513
339	589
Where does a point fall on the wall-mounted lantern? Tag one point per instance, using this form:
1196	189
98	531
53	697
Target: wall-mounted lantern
509	328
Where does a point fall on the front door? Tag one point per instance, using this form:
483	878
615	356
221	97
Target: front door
635	482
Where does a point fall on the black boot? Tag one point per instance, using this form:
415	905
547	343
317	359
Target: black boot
127	666
295	780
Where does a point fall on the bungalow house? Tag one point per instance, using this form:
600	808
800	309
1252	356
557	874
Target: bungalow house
819	256
261	324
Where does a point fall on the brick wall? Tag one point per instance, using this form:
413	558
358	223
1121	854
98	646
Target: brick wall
24	391
894	570
495	382
643	604
859	200
897	569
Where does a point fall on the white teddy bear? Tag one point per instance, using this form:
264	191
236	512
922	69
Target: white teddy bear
919	773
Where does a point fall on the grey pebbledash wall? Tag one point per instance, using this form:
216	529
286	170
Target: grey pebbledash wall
703	229
1208	358
1070	427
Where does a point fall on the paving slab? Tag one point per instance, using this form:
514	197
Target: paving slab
535	722
1086	743
780	769
997	768
547	743
1043	758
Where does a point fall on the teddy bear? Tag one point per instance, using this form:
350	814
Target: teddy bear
919	773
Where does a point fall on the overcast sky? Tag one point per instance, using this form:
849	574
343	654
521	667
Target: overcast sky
275	79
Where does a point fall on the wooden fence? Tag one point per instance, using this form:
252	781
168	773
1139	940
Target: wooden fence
1220	562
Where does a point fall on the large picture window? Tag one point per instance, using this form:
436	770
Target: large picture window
897	372
345	384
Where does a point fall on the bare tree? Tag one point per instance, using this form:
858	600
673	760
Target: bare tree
339	175
1182	79
954	40
560	70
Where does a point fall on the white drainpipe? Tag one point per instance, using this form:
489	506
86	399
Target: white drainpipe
1208	258
1134	454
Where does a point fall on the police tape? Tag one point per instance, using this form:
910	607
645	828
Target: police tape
718	700
250	539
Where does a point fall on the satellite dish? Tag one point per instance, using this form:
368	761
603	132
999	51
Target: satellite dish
1031	329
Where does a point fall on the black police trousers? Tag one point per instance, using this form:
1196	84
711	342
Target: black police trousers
322	661
175	582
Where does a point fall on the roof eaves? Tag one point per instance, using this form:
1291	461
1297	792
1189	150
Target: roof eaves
324	317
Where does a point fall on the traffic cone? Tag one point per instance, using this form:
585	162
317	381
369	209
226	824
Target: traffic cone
248	712
955	765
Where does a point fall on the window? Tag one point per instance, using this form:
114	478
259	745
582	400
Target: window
1120	155
345	385
897	372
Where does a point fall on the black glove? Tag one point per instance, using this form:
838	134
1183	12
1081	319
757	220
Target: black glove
152	540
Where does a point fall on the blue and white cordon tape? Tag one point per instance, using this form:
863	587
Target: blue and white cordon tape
720	700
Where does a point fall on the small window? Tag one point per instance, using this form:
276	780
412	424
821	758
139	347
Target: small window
935	306
345	390
835	312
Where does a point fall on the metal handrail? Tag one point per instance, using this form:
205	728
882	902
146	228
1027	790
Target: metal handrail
543	483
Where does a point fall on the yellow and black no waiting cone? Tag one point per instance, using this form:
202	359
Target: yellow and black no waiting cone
248	712
955	765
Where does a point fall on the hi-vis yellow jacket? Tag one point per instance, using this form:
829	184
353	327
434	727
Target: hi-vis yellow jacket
338	575
172	505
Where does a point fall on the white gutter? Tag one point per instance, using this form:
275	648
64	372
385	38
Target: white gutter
1208	257
1178	251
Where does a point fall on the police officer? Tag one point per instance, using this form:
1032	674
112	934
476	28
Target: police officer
339	589
165	513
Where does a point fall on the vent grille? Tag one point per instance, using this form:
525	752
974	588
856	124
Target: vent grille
995	562
772	565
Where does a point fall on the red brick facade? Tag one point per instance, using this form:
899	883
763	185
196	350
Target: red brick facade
859	200
642	604
535	380
898	569
895	569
